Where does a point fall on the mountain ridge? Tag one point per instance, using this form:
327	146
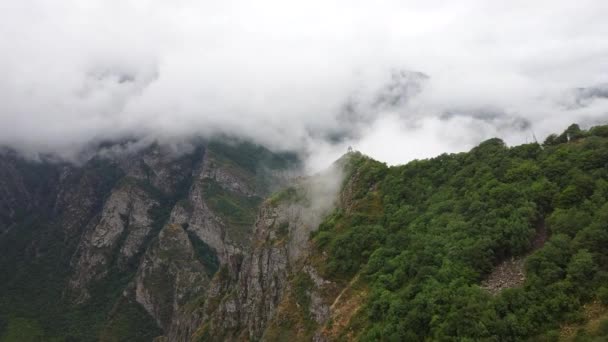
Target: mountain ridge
199	247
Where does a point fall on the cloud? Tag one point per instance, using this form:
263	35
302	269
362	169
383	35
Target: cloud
396	79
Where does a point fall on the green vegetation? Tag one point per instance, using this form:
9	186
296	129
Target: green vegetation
419	237
595	333
288	195
283	229
129	322
34	266
22	330
238	211
593	328
253	162
302	284
252	157
206	255
423	235
294	321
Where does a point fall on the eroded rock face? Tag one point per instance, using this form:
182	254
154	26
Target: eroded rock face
228	177
264	275
207	225
255	281
119	233
164	169
169	276
171	283
80	196
225	297
280	244
195	213
156	222
241	299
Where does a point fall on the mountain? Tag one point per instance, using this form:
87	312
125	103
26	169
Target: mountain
225	242
116	247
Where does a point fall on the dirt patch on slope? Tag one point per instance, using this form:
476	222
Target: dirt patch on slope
346	305
506	275
510	273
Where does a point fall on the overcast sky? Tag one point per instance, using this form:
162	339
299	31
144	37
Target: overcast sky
398	80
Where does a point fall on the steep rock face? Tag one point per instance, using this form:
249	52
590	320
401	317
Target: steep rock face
240	302
215	183
282	235
264	272
230	177
312	307
169	276
117	235
151	228
192	322
80	194
203	223
238	306
206	224
122	225
161	168
278	254
209	225
220	190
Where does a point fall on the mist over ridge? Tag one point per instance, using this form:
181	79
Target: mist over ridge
397	81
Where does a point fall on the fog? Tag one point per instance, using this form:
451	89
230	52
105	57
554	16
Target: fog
397	80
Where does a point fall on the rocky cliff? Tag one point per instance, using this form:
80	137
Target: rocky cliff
147	243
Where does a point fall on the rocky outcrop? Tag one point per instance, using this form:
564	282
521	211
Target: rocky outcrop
279	250
81	194
171	283
202	221
264	272
169	276
228	175
116	236
157	225
161	167
195	212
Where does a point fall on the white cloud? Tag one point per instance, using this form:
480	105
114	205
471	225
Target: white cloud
280	72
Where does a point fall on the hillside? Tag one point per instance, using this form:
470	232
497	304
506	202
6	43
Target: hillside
424	237
498	244
114	248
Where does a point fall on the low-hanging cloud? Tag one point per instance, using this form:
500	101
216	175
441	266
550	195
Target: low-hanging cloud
396	79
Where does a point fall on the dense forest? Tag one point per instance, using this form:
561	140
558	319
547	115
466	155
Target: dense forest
423	236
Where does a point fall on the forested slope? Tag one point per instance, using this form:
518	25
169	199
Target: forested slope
423	236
